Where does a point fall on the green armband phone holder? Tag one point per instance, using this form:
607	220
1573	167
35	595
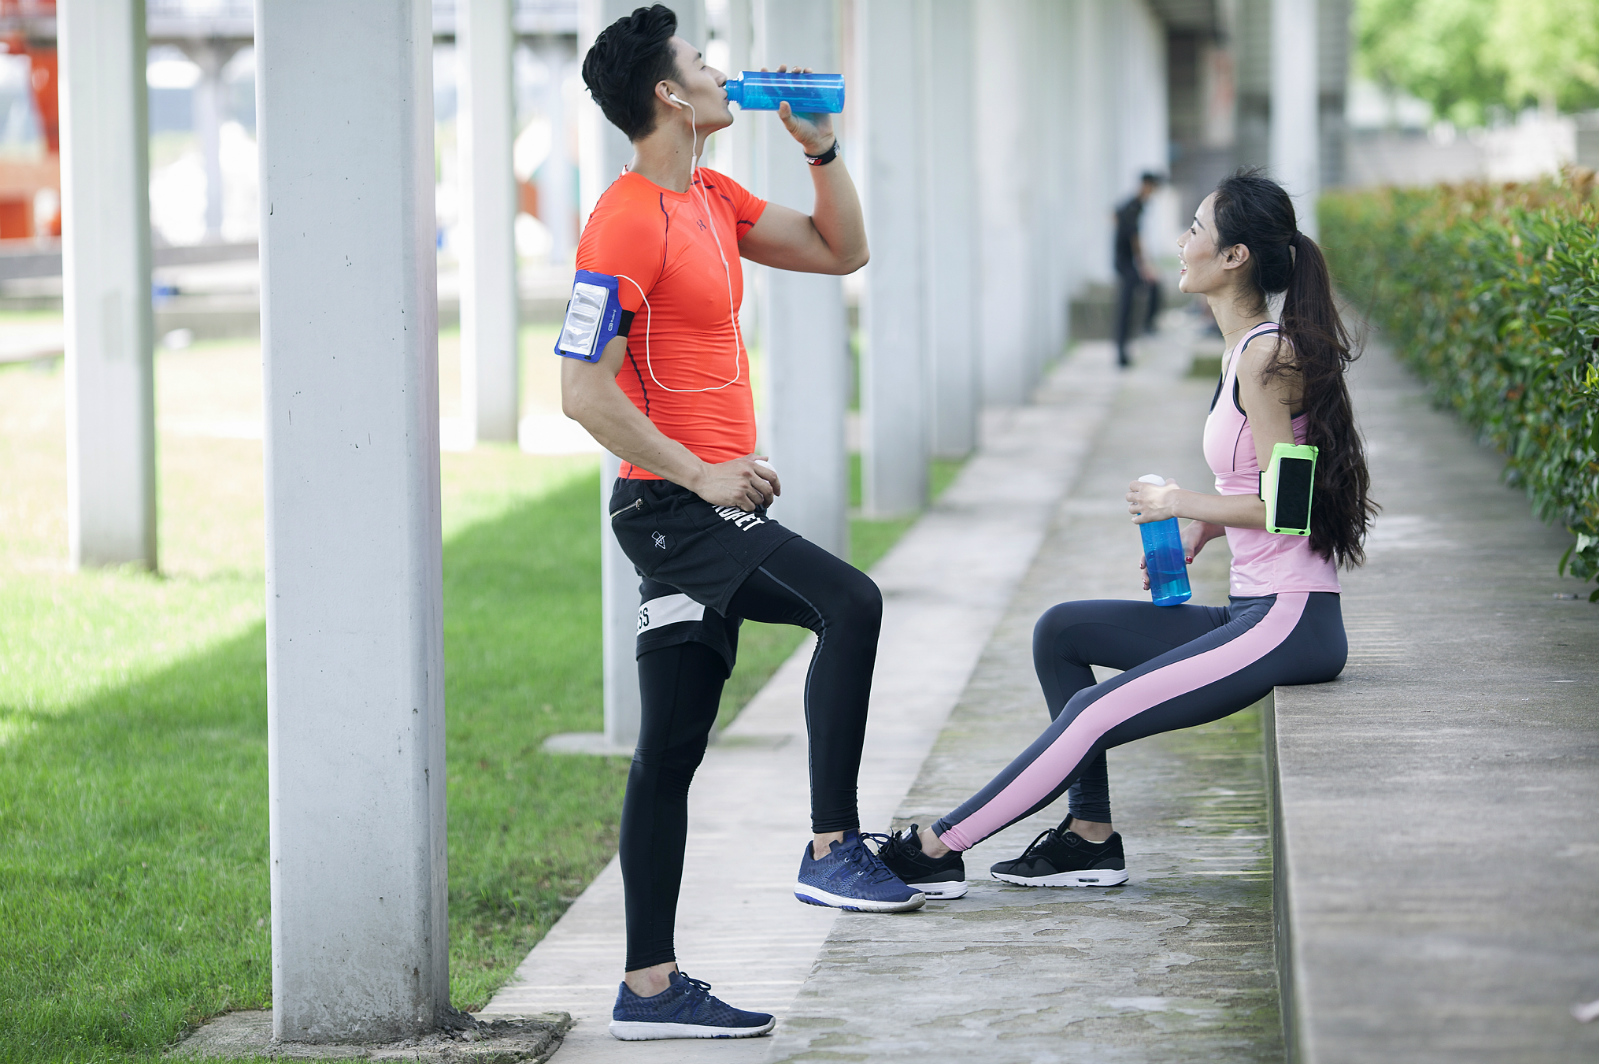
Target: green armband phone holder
1286	487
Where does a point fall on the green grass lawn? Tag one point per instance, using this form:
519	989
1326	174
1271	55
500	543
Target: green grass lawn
133	824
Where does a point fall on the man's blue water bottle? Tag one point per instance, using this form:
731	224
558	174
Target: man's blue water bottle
1164	557
807	94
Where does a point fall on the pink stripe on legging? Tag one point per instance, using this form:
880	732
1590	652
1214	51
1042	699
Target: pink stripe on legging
1144	692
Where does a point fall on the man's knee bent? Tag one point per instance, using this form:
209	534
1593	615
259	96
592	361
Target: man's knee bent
860	603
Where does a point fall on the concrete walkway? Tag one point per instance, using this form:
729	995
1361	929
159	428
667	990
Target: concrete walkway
1175	966
1434	842
1438	836
946	585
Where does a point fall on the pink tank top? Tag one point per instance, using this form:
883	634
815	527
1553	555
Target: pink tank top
1264	563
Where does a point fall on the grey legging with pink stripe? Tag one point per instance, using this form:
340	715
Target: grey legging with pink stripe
1184	666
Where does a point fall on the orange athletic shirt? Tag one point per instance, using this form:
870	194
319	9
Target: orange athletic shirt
687	337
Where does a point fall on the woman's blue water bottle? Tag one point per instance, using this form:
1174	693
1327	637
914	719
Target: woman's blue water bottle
807	94
1164	557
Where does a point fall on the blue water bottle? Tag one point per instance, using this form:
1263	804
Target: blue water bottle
807	94
1164	557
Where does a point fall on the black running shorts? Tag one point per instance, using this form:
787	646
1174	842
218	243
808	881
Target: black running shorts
693	557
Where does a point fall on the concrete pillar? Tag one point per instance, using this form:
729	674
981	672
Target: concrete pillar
803	333
1295	114
1004	152
1093	197
556	194
355	680
210	57
603	151
893	363
740	57
486	120
948	145
111	501
1042	71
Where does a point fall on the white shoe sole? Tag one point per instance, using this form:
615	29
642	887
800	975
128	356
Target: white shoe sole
814	896
642	1031
1092	877
942	891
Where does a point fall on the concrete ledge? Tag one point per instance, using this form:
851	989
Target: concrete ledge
1434	841
491	1040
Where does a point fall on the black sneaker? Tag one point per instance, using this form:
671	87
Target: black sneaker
936	877
1066	859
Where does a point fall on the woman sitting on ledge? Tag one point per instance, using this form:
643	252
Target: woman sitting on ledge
1188	665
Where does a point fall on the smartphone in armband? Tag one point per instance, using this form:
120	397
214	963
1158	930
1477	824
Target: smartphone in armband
1286	487
593	317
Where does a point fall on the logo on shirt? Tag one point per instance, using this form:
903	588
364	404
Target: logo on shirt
660	540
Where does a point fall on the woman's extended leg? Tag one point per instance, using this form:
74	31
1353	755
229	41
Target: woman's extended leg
1071	638
1289	638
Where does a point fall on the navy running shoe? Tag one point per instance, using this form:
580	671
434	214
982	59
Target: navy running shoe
937	877
851	877
685	1009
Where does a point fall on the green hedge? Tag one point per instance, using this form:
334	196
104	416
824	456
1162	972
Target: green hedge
1491	292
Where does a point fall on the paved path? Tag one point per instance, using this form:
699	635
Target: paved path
946	584
1175	966
1441	842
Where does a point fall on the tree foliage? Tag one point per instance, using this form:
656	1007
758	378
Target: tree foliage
1469	57
1491	292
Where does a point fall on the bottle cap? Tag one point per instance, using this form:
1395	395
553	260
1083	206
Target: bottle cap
1152	478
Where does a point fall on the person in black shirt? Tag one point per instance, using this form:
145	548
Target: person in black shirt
1132	271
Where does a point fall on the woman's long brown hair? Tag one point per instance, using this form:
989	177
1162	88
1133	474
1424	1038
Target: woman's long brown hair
1253	210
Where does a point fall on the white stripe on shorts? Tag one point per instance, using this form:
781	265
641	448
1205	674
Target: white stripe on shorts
668	609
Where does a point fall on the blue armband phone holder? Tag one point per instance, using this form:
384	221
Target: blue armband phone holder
593	317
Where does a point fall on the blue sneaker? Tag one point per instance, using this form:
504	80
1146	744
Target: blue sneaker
685	1009
852	877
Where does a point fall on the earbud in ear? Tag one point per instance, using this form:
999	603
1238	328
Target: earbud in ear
673	97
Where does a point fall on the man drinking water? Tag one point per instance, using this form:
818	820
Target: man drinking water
670	396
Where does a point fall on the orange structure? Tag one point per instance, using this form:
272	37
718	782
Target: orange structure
21	180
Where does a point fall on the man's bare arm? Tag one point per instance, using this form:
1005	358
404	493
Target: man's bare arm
832	238
591	397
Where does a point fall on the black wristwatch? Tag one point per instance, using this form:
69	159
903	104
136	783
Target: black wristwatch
826	157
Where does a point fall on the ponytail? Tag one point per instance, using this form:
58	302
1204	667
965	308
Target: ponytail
1253	210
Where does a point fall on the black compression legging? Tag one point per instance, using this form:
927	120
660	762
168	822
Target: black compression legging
681	687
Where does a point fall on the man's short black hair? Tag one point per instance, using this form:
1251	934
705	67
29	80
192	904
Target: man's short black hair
629	58
1149	177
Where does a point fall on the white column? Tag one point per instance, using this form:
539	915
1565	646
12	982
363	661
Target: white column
950	254
893	402
802	327
603	151
111	501
602	148
1295	115
555	176
210	57
486	118
691	21
355	682
1004	251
